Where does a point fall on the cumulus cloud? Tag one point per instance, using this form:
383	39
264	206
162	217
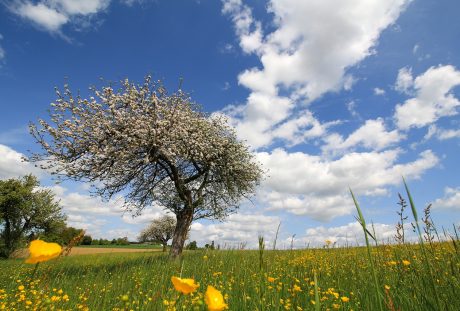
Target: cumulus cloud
379	91
451	199
372	135
305	184
52	15
351	234
307	55
404	81
12	165
83	204
237	229
433	97
440	133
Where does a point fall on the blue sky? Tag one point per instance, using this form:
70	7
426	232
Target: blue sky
328	95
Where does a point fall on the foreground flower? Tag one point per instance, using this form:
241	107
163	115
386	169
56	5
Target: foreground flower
185	286
42	251
214	299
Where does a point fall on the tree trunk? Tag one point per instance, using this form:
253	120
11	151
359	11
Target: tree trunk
184	220
8	248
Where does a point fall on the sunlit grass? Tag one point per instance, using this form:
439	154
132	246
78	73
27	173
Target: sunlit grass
378	276
141	281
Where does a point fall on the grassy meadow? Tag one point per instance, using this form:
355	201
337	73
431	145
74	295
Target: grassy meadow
249	280
377	276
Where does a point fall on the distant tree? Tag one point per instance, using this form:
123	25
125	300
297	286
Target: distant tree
62	234
26	211
152	147
192	246
160	230
114	241
87	240
122	241
95	242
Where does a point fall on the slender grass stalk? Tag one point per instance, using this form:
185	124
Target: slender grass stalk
422	245
371	261
276	236
317	301
261	252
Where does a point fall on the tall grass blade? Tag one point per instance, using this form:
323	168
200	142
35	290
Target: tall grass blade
422	246
362	221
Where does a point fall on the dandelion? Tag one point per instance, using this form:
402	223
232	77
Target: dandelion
214	299
185	286
406	262
21	287
43	251
270	279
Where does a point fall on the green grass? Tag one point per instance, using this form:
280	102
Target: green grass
142	281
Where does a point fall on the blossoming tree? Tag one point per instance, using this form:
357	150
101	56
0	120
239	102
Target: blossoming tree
159	230
150	146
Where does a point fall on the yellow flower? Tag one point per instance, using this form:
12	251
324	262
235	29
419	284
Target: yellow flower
214	299
406	262
21	287
185	286
42	251
205	257
387	287
345	299
297	288
270	279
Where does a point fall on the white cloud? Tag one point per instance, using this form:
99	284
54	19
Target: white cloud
372	135
42	15
301	57
83	7
83	204
441	134
52	15
351	234
311	185
351	107
379	91
433	98
451	199
2	52
237	229
12	166
404	81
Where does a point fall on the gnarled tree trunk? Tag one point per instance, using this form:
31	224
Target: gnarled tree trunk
184	220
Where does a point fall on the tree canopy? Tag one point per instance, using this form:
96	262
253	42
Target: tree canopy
153	147
159	230
25	212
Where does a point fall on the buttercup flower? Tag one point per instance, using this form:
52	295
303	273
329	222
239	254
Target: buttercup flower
214	299
42	251
185	286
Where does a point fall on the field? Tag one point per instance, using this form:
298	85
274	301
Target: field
249	280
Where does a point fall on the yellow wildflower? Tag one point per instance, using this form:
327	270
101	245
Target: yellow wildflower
270	279
406	262
42	251
214	299
345	299
21	287
185	286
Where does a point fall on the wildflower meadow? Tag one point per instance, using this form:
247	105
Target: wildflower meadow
421	275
